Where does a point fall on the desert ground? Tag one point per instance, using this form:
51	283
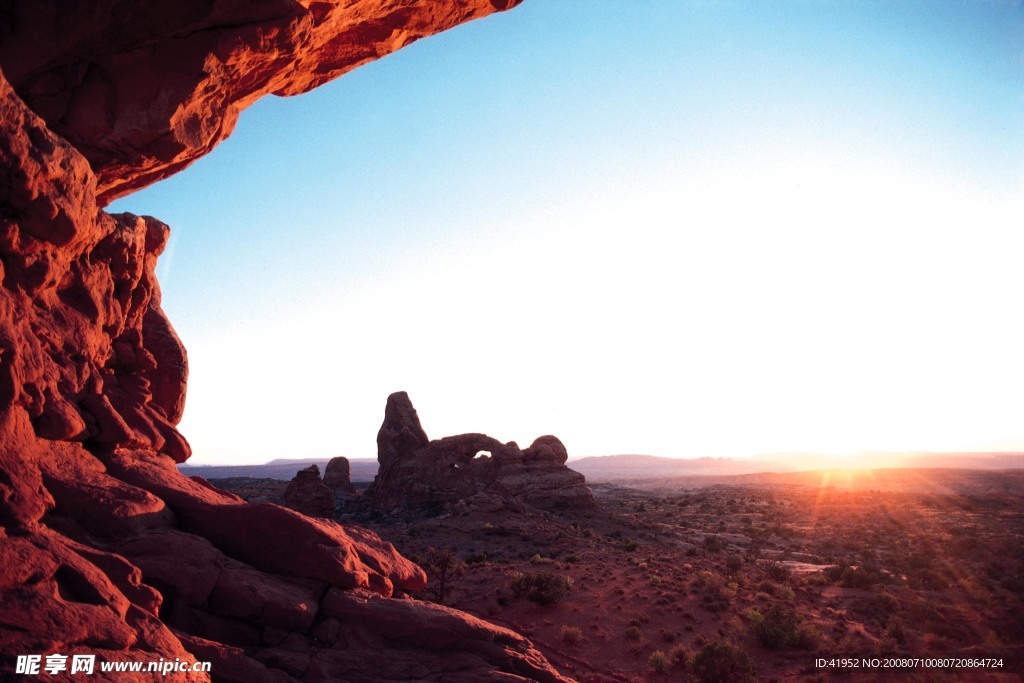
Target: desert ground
752	577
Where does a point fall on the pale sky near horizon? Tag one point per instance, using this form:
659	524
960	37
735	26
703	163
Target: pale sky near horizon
675	228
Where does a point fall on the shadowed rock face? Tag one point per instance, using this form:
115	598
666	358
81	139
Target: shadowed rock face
338	476
105	547
306	493
469	471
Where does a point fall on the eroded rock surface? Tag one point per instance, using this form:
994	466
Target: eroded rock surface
338	476
307	494
142	91
105	548
468	471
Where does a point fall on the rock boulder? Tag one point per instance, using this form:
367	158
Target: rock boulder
338	476
307	494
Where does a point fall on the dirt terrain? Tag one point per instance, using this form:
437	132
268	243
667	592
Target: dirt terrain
785	570
886	563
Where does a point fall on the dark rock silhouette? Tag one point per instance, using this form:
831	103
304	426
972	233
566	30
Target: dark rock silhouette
469	471
307	494
104	546
338	476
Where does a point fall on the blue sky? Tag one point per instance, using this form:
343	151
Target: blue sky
679	228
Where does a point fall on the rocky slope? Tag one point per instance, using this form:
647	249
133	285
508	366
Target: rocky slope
105	548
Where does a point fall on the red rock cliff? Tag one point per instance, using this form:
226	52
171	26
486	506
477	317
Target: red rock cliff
104	547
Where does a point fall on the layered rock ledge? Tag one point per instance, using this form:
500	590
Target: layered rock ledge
105	548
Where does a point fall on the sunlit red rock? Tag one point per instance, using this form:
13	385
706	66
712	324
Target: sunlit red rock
142	91
105	548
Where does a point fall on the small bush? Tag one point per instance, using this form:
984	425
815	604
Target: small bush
519	583
714	543
541	587
634	633
659	661
571	635
723	662
777	572
716	593
681	656
781	627
864	576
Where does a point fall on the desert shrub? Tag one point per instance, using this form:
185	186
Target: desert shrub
927	578
519	584
577	529
835	573
629	545
544	588
896	632
681	656
864	576
540	559
722	662
571	635
781	627
443	568
659	661
777	572
733	563
634	633
880	607
714	543
716	593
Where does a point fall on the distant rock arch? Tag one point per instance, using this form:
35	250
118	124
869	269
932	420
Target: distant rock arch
468	469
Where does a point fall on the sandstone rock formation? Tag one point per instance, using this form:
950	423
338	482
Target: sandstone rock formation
105	548
142	92
307	494
338	476
469	471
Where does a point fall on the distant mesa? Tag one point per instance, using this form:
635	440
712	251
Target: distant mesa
468	472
